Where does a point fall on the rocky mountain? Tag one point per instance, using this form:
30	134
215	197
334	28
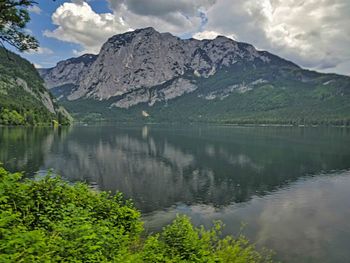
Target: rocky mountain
68	71
160	75
23	96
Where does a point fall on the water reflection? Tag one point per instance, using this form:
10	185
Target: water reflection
281	181
306	222
23	149
160	166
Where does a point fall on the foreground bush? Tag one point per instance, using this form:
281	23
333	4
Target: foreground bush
49	220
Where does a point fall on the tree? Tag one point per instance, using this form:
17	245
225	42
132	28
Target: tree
14	17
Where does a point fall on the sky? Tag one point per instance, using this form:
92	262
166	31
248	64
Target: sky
315	34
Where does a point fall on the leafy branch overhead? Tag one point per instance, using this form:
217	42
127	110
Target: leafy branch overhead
14	17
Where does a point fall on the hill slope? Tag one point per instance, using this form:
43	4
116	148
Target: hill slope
23	96
147	73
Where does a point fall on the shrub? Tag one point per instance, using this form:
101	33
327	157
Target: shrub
182	242
49	220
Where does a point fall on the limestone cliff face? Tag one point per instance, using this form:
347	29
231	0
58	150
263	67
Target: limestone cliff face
22	90
145	66
69	71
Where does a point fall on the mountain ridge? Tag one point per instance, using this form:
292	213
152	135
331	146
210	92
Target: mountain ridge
151	70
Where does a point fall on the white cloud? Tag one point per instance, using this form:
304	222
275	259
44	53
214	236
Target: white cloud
314	34
210	35
36	65
40	51
161	7
175	22
44	50
34	9
78	23
178	17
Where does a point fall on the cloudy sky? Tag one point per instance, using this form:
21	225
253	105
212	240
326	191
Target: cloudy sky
313	33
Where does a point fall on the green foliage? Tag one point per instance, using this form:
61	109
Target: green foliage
182	242
287	95
22	93
11	117
13	20
49	220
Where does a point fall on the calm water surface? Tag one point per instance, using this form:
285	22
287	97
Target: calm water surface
288	187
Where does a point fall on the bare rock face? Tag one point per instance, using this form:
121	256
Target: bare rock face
44	97
145	66
177	88
69	71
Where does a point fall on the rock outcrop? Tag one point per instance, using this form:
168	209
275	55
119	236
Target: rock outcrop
130	66
70	71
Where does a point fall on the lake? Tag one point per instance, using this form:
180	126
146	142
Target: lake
285	188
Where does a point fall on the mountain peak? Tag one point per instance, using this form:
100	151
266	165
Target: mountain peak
156	70
146	29
221	38
127	37
146	58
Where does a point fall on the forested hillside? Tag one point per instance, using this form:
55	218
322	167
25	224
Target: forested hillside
240	94
24	99
157	77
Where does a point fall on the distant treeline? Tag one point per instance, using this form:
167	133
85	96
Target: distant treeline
30	117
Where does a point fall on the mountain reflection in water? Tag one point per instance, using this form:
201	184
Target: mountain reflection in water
288	184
